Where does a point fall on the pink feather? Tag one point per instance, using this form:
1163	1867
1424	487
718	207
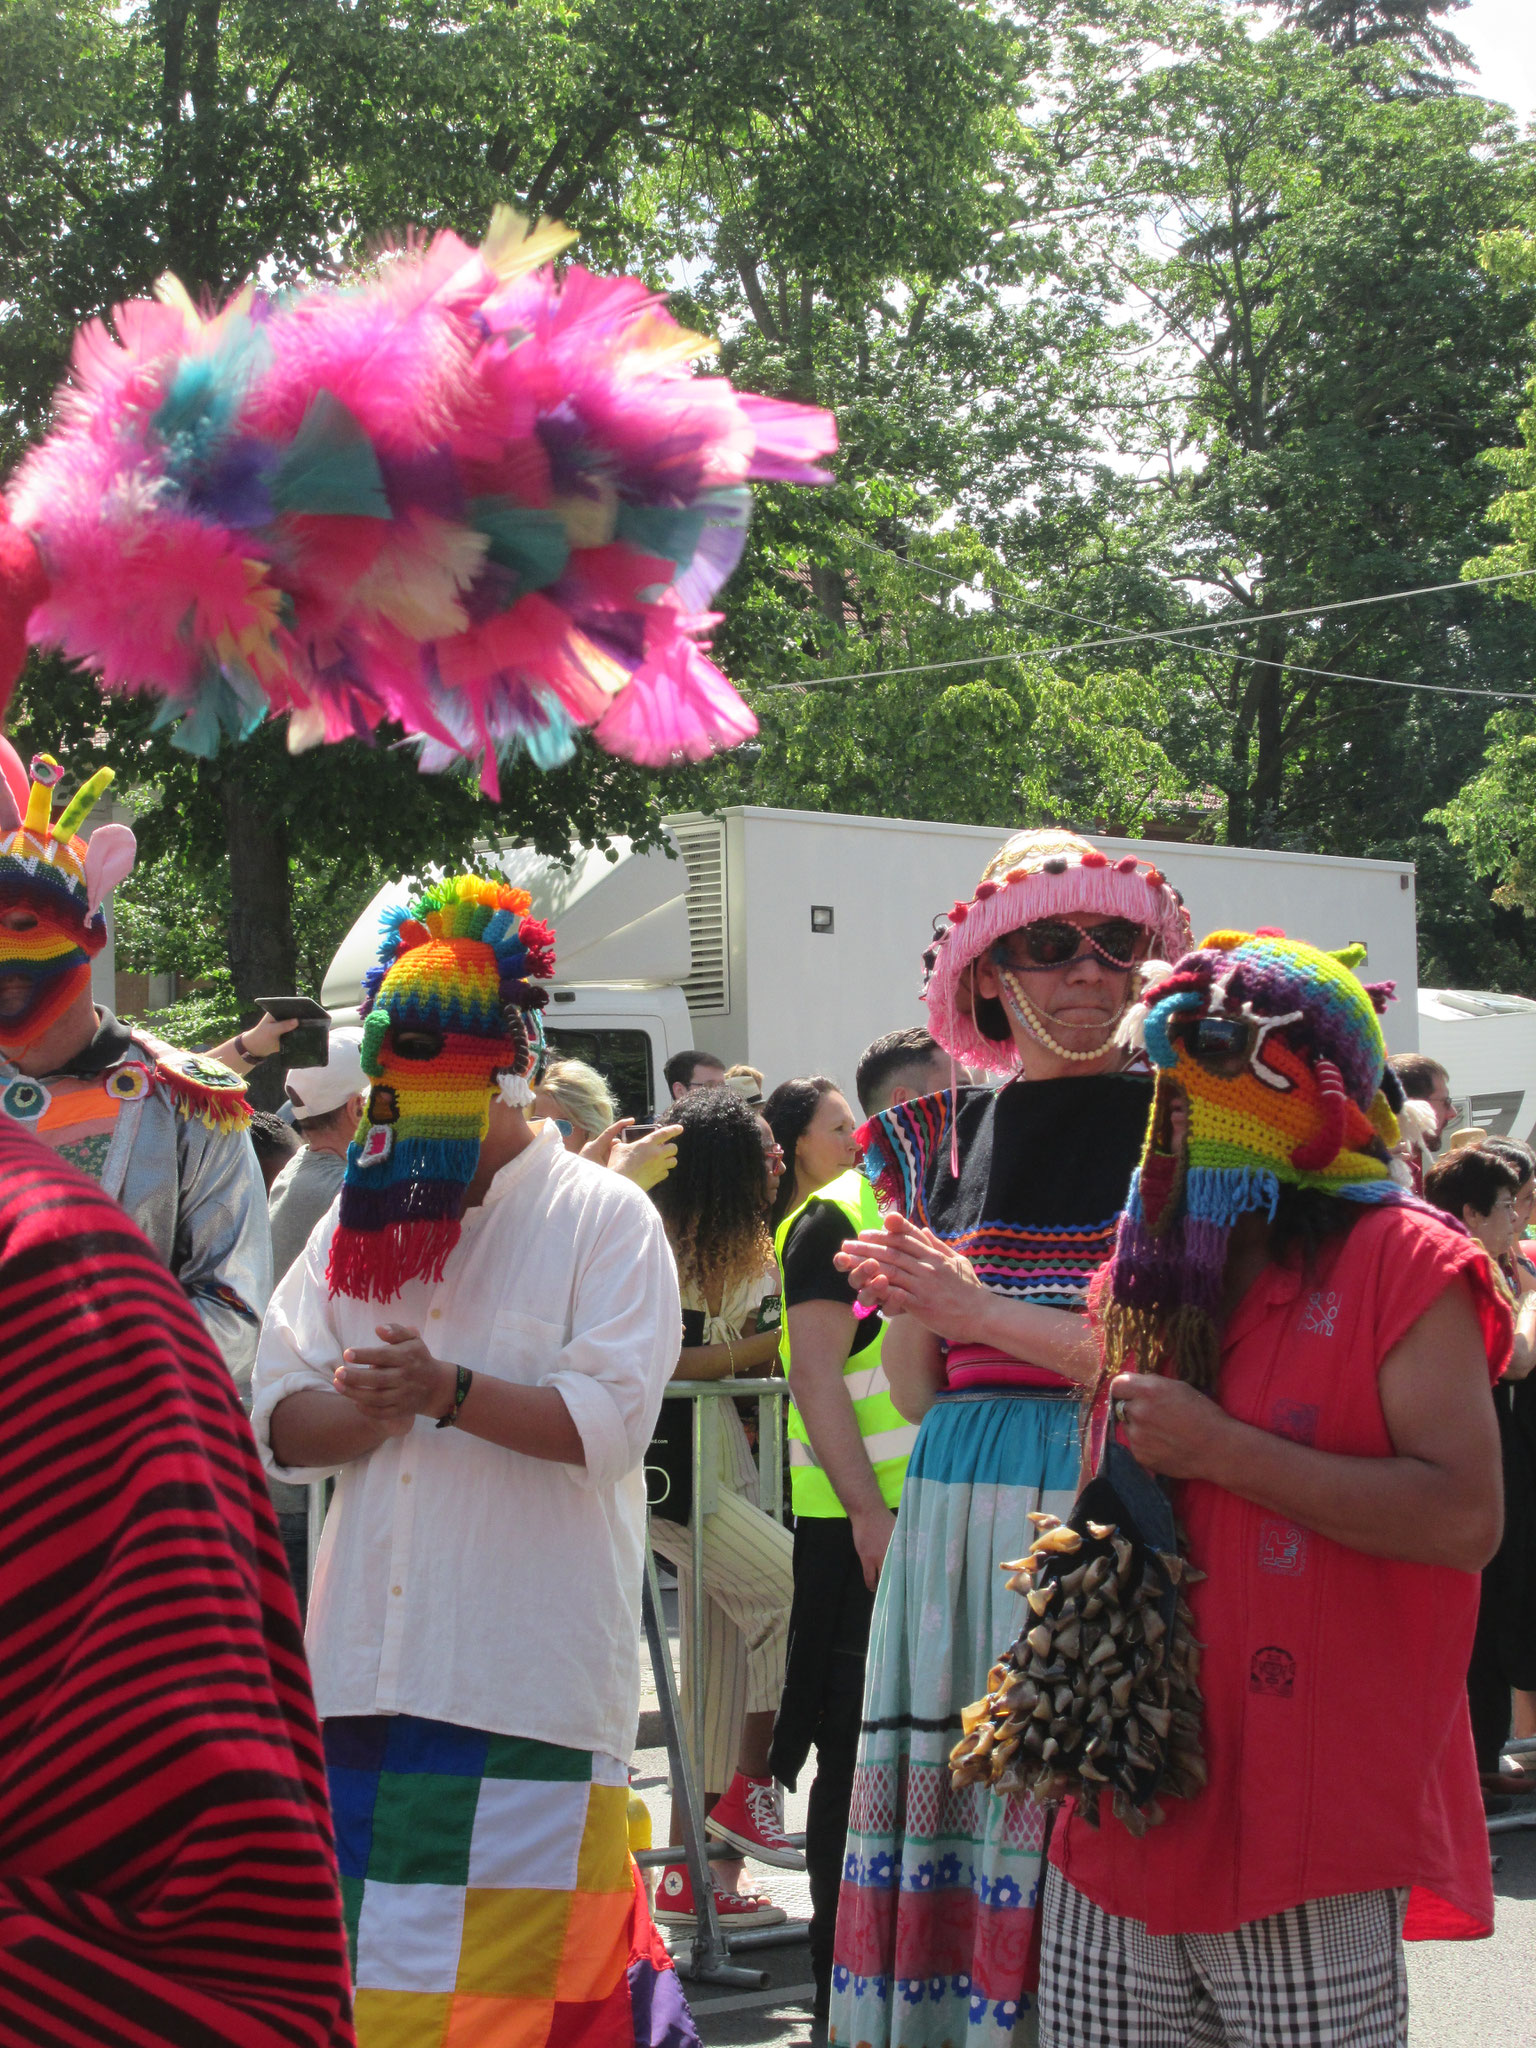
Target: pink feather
677	707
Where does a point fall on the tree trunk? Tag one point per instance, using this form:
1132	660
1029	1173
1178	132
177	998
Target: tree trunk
1265	789
263	957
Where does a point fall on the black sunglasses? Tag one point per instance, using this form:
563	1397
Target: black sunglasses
1056	942
1222	1045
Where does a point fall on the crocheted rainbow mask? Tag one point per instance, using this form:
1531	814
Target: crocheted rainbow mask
450	1016
52	888
1271	1068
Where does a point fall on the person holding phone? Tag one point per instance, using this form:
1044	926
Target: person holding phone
163	1132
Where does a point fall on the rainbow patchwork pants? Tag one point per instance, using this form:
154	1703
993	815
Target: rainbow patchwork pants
490	1897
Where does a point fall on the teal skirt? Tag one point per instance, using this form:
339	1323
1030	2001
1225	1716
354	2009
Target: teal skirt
940	1887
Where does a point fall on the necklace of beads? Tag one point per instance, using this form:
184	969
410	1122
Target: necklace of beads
1035	1025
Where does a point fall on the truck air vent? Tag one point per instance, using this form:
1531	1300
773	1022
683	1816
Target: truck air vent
701	842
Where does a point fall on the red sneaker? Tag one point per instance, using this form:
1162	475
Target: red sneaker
751	1818
675	1907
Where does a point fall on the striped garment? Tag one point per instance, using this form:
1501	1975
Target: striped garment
1038	1201
167	1876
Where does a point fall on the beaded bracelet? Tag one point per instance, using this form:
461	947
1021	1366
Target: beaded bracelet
463	1381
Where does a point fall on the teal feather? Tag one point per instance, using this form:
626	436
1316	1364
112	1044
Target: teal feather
531	543
204	398
330	466
670	531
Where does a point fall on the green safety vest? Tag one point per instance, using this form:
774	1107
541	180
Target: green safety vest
888	1436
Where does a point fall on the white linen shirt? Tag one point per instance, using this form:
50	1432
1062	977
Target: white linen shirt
457	1580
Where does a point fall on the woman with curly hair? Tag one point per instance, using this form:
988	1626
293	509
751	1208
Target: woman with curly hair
714	1207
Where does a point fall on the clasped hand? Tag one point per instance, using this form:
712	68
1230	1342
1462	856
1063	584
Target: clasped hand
904	1270
396	1380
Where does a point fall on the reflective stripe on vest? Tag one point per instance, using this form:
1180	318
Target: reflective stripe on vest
888	1436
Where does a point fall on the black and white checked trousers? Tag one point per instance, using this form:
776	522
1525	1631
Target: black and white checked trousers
1327	1974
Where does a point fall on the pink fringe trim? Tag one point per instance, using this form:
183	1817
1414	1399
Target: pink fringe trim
1103	890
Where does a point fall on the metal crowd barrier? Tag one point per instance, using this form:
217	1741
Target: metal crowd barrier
708	1962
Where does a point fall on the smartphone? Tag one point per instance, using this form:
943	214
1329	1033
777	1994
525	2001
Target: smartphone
636	1131
310	1044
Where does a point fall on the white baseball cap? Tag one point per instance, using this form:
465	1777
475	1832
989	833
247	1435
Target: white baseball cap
316	1091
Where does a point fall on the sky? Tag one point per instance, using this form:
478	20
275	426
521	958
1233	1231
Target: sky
1501	34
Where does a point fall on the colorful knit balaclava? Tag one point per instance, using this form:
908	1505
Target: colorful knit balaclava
1271	1071
53	885
450	1015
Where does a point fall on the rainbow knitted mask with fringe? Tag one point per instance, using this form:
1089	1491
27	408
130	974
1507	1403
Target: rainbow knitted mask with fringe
1271	1070
450	1016
52	888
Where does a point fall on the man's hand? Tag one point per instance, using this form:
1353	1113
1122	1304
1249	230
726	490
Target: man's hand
1168	1427
397	1380
872	1531
263	1038
903	1270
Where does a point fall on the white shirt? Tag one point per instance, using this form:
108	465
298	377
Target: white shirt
457	1580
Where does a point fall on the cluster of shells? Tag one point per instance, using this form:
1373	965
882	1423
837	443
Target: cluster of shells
1099	1694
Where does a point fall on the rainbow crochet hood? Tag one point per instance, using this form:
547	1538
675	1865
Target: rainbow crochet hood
451	1017
1271	1072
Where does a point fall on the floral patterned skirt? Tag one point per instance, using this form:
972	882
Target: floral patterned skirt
940	1887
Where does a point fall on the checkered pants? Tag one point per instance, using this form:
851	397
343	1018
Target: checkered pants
1327	1974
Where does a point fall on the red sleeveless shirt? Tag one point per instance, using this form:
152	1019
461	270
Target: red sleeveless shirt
1336	1728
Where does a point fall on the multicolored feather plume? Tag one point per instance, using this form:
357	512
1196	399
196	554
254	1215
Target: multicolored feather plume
460	493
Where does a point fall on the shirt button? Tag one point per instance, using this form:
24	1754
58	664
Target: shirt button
437	1315
396	1590
405	1478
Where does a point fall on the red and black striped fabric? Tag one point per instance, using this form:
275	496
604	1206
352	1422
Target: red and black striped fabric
167	1872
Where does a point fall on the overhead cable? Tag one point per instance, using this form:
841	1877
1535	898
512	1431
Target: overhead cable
1177	635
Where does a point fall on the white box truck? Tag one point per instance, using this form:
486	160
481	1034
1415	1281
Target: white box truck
1486	1043
790	939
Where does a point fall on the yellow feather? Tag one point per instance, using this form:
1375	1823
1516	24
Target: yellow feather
417	577
512	247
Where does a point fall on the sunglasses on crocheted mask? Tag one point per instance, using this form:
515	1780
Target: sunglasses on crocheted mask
1222	1045
1058	942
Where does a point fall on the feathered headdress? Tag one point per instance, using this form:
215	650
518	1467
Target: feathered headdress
450	1013
457	492
1271	1072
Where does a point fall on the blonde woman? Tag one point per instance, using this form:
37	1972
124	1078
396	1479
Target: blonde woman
577	1101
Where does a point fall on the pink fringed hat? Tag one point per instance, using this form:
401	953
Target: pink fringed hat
1047	873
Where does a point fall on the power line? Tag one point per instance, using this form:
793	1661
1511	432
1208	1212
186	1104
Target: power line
1224	653
1176	634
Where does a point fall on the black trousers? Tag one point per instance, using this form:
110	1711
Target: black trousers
822	1707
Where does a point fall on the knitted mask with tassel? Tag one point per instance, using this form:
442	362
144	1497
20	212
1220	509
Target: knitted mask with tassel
53	886
450	1018
1271	1072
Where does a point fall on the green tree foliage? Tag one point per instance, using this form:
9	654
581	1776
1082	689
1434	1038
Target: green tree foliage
1130	319
1412	25
846	138
1492	818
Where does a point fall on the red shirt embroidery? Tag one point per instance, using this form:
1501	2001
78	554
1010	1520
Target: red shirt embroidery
1336	1733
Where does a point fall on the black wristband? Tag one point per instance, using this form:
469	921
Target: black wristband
463	1381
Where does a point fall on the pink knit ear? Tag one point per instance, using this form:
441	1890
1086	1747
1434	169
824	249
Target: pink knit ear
13	788
109	855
